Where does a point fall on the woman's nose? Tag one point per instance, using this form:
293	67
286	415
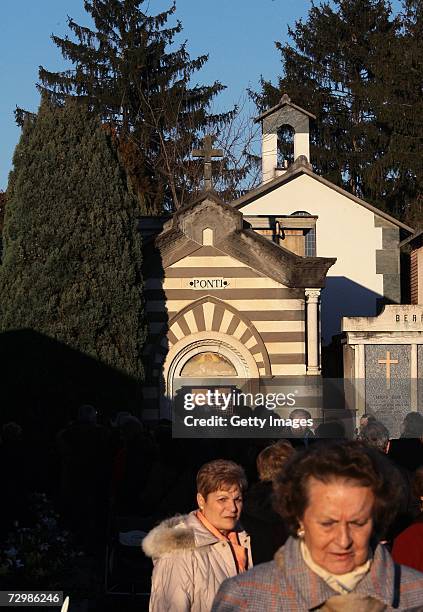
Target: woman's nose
344	538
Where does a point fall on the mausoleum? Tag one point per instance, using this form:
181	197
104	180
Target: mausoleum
222	300
383	364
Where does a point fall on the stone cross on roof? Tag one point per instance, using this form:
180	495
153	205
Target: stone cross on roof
207	152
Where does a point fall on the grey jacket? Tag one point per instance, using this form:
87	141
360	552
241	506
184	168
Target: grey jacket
288	585
190	563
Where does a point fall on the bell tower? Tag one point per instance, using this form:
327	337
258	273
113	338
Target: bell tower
283	114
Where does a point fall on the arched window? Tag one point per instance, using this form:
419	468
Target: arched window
208	364
285	146
310	235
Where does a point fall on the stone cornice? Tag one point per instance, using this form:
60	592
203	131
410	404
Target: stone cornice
184	237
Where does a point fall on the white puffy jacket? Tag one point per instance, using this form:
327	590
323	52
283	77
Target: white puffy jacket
190	563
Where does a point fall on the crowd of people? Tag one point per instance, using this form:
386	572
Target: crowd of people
330	525
325	524
338	502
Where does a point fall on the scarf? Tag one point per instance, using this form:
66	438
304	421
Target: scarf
238	551
341	583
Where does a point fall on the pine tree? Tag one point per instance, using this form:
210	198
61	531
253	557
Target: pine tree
2	212
130	71
401	115
329	68
72	251
2	209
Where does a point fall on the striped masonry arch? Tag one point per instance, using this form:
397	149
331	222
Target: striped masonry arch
211	314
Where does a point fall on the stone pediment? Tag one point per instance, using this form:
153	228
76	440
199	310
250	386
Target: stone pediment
183	235
208	211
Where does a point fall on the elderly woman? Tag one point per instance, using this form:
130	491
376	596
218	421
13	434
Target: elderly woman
337	501
193	554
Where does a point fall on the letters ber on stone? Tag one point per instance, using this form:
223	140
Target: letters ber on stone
207	152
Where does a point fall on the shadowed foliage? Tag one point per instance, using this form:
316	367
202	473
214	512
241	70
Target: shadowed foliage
72	250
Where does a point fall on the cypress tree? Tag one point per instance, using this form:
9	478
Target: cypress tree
128	69
72	251
329	67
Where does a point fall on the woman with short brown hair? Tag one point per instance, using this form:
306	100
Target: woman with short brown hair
271	460
193	554
337	501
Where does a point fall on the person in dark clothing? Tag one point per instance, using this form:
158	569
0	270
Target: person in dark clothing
413	425
407	451
170	485
131	466
83	447
365	419
376	435
300	435
266	528
14	469
334	430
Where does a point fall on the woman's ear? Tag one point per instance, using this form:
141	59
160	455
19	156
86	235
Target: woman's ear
200	501
300	530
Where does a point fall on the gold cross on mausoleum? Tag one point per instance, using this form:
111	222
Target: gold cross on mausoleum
388	362
207	152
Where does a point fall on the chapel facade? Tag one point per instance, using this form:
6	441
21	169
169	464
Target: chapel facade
222	300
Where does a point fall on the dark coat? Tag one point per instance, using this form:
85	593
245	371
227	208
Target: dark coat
265	527
407	452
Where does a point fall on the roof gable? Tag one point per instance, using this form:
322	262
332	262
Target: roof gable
299	168
283	102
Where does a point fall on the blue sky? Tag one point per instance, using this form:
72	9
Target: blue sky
239	36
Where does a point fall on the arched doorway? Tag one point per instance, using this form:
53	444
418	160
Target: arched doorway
207	360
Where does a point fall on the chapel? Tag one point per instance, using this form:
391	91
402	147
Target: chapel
252	289
313	217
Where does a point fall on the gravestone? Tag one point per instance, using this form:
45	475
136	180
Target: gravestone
383	364
388	384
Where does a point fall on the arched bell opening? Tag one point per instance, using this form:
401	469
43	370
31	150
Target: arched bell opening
286	135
